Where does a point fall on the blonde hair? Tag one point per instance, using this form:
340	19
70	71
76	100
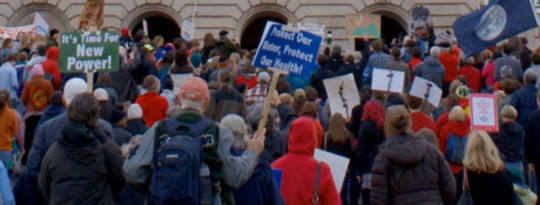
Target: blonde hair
234	59
509	112
457	114
336	129
481	155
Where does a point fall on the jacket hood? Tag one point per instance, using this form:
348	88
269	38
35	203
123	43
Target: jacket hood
458	128
404	149
302	136
53	53
80	143
432	62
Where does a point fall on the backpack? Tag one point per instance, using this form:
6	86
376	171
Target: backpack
38	97
180	174
455	149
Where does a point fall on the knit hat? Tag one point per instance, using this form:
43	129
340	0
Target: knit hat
151	84
196	60
124	32
194	88
116	116
263	76
168	47
37	70
299	93
223	33
134	112
101	94
74	87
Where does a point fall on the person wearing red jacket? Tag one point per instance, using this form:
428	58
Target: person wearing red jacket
419	118
154	107
473	76
51	67
299	168
456	126
451	65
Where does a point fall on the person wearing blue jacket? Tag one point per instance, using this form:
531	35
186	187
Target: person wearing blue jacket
5	187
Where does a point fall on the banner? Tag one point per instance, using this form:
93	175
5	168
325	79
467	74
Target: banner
89	52
41	25
342	94
317	29
484	112
493	23
363	26
11	32
338	165
288	49
188	30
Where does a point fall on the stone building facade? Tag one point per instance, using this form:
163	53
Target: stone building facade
240	17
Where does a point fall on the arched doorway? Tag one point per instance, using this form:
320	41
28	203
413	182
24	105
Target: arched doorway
391	29
54	16
253	32
394	20
159	25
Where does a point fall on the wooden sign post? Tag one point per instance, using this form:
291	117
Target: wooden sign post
269	97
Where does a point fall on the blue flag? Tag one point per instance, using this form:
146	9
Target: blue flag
493	23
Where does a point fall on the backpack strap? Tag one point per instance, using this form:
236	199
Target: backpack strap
316	191
170	127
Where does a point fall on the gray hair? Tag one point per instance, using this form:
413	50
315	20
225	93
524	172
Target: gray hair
238	128
254	116
186	103
435	51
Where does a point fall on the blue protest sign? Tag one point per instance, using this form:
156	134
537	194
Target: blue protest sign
288	50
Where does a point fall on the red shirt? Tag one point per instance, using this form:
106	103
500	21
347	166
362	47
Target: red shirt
421	120
251	83
414	62
474	78
154	107
450	63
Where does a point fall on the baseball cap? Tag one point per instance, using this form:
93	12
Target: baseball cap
74	87
134	111
263	76
194	88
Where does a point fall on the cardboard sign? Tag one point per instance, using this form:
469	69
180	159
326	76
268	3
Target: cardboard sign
188	30
422	87
388	80
363	26
145	27
89	52
342	94
287	49
11	32
317	29
338	165
484	115
41	25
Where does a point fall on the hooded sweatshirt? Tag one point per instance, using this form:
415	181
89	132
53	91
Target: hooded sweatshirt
82	167
299	168
409	170
510	141
51	67
431	69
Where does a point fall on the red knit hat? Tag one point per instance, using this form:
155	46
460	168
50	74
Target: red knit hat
124	32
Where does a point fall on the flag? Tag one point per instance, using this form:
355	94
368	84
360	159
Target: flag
493	23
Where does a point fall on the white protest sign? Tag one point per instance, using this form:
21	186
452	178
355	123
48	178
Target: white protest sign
342	94
484	112
11	32
41	25
422	87
145	27
383	78
317	29
188	30
338	165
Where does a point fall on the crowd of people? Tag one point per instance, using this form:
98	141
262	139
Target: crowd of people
178	123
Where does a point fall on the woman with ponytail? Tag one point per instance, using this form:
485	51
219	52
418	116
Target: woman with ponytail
409	170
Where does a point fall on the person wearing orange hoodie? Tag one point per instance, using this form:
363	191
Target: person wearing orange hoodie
457	127
51	67
299	169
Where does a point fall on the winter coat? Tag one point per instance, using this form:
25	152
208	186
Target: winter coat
275	145
51	67
154	107
136	126
370	137
82	167
509	140
421	120
409	170
524	100
459	129
145	68
40	84
489	189
532	137
431	69
9	127
473	76
51	112
286	115
450	63
357	72
121	136
299	167
342	149
510	61
223	103
335	62
317	81
123	82
8	80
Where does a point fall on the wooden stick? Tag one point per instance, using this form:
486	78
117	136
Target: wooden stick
269	97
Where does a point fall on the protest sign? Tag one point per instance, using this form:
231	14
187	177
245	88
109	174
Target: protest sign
145	27
363	26
484	112
287	49
42	27
388	80
89	52
317	29
11	32
426	90
338	165
188	30
342	94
